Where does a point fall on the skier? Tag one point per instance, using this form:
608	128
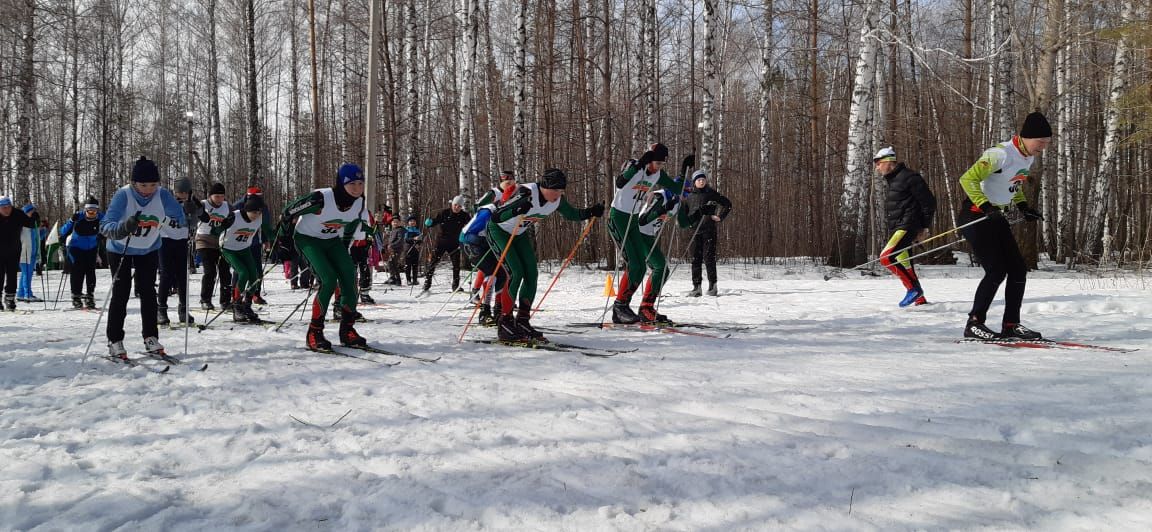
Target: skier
995	181
257	247
496	196
707	208
412	241
909	209
132	227
215	210
238	232
474	240
532	203
82	232
633	186
326	219
451	221
360	252
30	238
12	223
173	255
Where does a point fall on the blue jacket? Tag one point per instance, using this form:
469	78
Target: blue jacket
115	215
87	231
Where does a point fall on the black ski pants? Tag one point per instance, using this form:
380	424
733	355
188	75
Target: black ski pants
125	268
452	249
83	276
363	269
172	271
215	266
995	247
704	254
9	269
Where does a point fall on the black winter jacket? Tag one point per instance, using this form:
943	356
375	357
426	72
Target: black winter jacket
10	227
910	205
451	223
701	204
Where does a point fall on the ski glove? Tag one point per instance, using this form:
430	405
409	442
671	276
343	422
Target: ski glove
595	211
991	212
689	162
1030	214
126	227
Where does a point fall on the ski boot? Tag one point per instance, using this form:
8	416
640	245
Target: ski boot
315	338
348	334
33	299
694	292
649	316
226	305
207	305
485	318
507	330
976	329
475	297
77	301
523	315
183	316
10	302
162	316
246	308
622	313
258	299
911	297
712	290
89	302
238	314
366	299
116	350
1016	331
152	346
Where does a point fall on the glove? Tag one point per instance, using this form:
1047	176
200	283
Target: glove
1030	214
991	211
427	222
689	162
670	199
595	211
126	227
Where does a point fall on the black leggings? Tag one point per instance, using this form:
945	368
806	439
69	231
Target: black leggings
995	247
9	268
214	264
452	249
125	267
173	271
83	270
704	252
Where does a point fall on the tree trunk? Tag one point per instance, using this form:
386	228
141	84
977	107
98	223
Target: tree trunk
255	172
26	83
521	70
708	138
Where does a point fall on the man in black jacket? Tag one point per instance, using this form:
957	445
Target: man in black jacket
451	221
12	223
705	209
909	208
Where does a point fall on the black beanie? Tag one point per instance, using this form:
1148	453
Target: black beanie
217	188
145	171
253	203
1035	127
660	151
183	185
553	178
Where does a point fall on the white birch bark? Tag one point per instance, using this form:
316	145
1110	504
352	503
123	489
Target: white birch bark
471	28
852	215
766	79
1064	144
27	102
708	136
519	112
1000	29
651	68
1094	228
412	186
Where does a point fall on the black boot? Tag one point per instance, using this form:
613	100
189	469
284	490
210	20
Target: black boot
523	315
366	299
622	313
182	315
1016	331
162	316
975	329
77	301
10	302
508	331
89	302
315	338
246	308
348	334
486	319
238	314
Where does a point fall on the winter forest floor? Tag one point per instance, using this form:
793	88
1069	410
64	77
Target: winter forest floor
837	411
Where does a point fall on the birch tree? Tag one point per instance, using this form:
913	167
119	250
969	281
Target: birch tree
521	72
471	29
708	136
26	83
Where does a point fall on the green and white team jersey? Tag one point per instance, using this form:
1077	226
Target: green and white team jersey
172	229
239	235
636	188
216	215
331	222
653	216
999	176
539	211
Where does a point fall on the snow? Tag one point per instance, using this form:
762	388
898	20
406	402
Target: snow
839	411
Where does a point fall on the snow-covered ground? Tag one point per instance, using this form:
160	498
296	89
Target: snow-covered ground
838	411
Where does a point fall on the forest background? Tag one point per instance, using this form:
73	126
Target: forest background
783	101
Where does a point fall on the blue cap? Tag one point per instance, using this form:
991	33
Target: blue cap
5	201
29	208
350	172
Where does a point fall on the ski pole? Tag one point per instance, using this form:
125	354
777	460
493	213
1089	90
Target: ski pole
293	313
499	263
910	246
60	287
571	255
247	291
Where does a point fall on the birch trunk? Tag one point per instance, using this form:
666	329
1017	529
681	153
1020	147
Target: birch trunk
255	172
27	97
412	190
766	79
471	28
1094	227
851	249
708	137
521	71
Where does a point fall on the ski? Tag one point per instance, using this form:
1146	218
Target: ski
552	346
173	361
1045	344
136	363
649	327
379	351
333	351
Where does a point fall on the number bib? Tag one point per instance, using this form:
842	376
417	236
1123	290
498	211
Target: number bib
151	218
239	236
215	216
330	221
634	191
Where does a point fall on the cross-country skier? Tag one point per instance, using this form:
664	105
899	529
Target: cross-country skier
532	203
30	238
215	210
173	258
82	232
257	247
994	182
326	220
633	187
451	221
132	227
495	196
909	209
12	223
238	233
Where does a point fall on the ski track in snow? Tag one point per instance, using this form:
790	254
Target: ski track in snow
839	411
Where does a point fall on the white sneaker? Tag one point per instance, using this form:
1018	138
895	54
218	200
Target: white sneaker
152	345
116	350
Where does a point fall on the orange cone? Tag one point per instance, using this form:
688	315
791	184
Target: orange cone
609	287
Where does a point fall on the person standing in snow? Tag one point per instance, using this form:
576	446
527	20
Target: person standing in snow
214	210
451	221
238	233
633	187
173	258
412	241
326	220
909	208
132	226
531	203
12	223
705	209
30	238
82	232
993	183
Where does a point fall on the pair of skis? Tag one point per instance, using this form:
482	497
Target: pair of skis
1045	344
715	331
347	352
546	345
158	363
